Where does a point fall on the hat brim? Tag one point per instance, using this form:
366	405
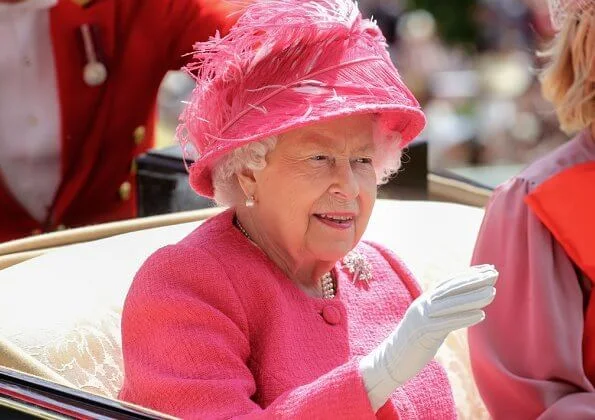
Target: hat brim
409	121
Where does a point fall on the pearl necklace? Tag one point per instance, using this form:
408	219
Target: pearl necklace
326	281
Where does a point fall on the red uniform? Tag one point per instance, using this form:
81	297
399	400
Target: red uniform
103	128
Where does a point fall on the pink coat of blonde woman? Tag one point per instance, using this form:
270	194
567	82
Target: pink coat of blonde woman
534	356
275	309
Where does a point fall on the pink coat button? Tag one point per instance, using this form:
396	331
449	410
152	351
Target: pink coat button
331	315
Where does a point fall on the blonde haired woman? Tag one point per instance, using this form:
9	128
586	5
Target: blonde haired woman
534	357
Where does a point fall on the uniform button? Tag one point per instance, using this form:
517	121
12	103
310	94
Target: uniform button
60	227
36	232
139	134
133	167
125	190
331	315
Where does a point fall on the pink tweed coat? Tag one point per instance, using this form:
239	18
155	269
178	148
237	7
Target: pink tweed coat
212	328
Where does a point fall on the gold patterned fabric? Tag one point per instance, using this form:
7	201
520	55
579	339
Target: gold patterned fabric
61	311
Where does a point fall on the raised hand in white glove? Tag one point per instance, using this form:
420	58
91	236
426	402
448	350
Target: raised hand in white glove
455	303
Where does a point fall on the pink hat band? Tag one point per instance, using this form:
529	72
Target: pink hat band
287	64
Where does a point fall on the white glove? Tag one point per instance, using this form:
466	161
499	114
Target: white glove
455	303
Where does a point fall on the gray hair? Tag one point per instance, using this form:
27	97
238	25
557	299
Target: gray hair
253	156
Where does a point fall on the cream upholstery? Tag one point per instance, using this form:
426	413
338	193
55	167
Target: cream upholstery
60	312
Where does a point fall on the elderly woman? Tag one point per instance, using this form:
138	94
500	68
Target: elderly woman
540	233
275	308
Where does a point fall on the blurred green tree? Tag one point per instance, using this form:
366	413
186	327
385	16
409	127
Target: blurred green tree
454	18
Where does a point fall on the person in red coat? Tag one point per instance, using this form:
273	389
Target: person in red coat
79	81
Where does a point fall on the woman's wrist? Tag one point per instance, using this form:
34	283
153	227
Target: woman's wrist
377	381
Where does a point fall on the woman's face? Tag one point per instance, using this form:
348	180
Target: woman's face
316	193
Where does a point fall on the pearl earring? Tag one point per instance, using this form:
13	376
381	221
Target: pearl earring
250	202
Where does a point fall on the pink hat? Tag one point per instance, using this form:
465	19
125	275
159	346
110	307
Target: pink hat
286	64
560	9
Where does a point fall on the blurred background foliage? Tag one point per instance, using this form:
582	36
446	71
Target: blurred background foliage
454	19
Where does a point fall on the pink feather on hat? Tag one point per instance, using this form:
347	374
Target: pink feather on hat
286	64
561	9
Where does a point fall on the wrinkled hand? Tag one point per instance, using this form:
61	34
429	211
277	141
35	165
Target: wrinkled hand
454	304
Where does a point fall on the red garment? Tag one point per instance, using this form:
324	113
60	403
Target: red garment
212	328
565	205
139	41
